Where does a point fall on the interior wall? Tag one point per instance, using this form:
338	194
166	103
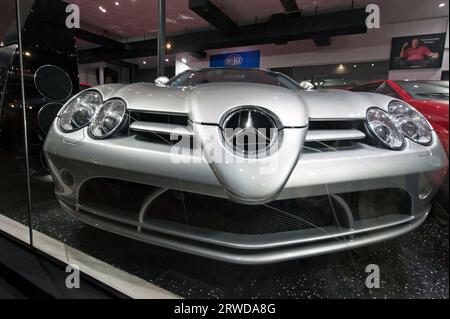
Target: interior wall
150	74
375	45
180	66
87	73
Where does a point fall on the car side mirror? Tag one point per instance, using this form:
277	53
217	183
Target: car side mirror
162	80
308	86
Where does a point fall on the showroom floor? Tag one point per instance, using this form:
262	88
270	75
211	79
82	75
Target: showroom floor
413	266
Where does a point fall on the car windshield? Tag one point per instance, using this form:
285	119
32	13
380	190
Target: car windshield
423	90
197	77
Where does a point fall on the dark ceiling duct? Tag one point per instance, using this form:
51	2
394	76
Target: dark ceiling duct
198	54
98	39
214	16
322	40
290	5
281	28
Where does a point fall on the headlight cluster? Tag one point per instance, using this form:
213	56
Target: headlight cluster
108	120
104	119
412	124
390	128
383	127
79	111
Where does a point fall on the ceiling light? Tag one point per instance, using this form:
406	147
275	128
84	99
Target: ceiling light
117	3
144	62
372	65
168	45
354	65
340	67
27	53
2	44
441	5
173	21
102	9
184	60
185	17
167	60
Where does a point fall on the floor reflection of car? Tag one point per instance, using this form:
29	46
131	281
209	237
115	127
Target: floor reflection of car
428	97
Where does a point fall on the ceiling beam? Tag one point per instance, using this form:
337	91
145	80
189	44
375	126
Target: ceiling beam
322	40
214	16
198	54
98	39
279	29
124	64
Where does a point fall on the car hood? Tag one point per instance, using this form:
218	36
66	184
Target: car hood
209	103
431	102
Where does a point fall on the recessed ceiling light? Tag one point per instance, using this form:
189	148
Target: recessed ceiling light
117	3
168	45
167	60
354	65
144	62
372	65
185	17
441	5
102	9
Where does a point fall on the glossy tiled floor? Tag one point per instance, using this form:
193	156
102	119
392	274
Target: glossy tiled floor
413	266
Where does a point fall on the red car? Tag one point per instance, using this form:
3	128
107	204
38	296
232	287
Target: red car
428	97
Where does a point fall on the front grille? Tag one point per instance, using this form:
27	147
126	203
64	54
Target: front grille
121	200
336	125
165	118
226	216
327	146
160	126
340	135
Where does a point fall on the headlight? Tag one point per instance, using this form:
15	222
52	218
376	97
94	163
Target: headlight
108	119
79	111
384	129
411	123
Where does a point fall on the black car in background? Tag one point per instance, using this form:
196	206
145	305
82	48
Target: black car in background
50	69
51	77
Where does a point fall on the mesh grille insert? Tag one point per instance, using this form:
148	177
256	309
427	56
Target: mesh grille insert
123	199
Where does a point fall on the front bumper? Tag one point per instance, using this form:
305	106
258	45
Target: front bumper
417	170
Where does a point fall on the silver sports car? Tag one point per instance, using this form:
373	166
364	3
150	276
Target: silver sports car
244	165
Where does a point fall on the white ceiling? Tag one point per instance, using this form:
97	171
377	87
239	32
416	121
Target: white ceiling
137	19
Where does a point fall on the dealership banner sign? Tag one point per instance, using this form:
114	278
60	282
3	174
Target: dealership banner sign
417	51
246	59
